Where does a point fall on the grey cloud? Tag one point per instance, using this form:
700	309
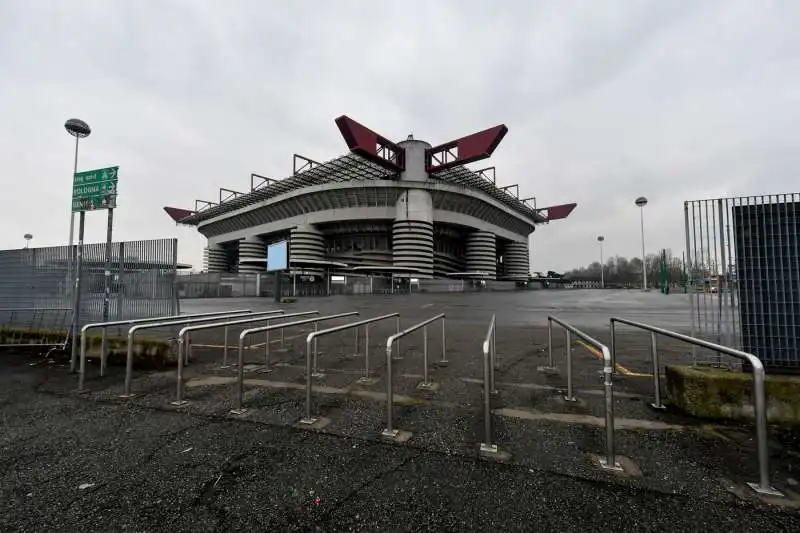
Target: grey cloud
605	101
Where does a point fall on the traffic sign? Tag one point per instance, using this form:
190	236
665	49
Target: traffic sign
95	189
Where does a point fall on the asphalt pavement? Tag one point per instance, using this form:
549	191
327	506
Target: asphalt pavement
96	462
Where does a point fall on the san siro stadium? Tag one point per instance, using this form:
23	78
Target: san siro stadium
403	210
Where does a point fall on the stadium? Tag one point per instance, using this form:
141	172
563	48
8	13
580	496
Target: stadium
405	210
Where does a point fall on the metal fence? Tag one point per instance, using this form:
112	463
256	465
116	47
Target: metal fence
743	266
231	285
36	289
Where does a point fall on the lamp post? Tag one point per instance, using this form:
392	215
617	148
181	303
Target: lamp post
600	240
78	129
640	203
28	238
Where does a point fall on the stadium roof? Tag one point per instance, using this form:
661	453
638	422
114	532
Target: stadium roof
348	167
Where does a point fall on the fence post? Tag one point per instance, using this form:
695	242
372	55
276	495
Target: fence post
550	343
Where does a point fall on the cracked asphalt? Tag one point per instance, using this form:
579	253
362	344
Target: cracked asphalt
91	462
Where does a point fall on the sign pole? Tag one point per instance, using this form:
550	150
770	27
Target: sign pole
107	286
76	308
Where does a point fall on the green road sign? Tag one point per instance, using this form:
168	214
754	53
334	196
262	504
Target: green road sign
95	189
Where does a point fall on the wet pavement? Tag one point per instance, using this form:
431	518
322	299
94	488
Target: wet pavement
96	462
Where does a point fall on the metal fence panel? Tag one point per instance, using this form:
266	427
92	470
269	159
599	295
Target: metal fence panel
38	280
743	265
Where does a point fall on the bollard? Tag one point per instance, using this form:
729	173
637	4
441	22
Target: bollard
569	397
656	376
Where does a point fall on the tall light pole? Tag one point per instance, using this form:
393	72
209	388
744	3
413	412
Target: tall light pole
640	203
600	240
78	129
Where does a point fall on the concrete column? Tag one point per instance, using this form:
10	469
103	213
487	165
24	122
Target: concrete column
482	253
216	259
412	230
516	261
306	244
252	255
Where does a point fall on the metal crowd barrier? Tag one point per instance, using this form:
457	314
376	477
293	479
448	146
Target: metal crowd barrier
489	351
759	398
132	333
179	401
239	410
390	432
106	325
609	462
307	418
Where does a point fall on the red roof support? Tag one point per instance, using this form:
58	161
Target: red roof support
370	145
177	214
558	212
464	150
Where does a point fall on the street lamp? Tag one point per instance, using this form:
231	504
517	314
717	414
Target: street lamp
600	240
78	129
640	203
28	238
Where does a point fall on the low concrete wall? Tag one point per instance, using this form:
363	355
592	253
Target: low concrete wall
147	353
728	394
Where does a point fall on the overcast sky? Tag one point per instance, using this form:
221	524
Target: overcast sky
604	100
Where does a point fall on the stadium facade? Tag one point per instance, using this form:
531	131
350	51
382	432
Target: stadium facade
407	210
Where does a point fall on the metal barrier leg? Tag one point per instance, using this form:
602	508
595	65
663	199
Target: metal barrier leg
355	352
425	385
492	356
486	445
389	432
82	367
763	486
225	349
550	343
129	369
569	397
444	361
315	370
610	460
307	418
103	352
267	365
240	410
179	401
656	374
613	347
366	379
399	351
495	363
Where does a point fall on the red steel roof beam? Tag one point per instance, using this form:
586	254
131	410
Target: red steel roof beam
369	145
465	150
